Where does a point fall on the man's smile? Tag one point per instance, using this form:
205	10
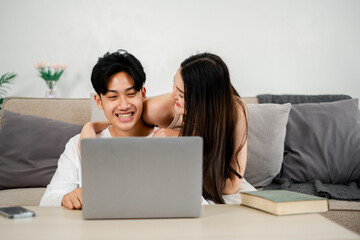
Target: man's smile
125	117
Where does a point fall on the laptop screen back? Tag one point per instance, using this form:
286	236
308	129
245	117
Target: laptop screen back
141	177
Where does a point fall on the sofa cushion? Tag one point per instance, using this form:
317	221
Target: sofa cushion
323	143
30	148
21	196
266	135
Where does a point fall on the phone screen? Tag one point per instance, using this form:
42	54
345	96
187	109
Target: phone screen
16	212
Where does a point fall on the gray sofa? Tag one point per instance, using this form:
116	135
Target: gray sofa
73	111
76	112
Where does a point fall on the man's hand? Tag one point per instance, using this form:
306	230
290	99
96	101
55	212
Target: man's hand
166	132
72	200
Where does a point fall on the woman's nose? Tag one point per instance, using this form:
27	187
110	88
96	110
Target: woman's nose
173	93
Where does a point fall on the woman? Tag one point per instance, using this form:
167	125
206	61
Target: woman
210	107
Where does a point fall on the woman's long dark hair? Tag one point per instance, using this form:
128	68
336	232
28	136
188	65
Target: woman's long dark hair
211	111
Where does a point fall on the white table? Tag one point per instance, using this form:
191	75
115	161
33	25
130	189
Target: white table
216	222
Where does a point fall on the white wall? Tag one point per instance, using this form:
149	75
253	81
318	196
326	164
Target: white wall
279	46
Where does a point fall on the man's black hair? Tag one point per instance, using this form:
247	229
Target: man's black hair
112	63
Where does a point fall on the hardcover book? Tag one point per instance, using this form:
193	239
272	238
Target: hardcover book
282	202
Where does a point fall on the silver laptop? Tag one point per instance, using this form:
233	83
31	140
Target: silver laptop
141	177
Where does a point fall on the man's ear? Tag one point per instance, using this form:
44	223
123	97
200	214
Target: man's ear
98	102
143	93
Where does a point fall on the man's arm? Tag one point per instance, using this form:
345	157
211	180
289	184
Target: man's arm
66	177
73	200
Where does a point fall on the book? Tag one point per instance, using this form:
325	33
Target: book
282	202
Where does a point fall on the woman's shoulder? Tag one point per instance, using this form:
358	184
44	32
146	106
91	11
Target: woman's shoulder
159	110
242	117
241	108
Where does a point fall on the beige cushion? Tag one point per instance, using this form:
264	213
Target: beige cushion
21	197
70	110
250	100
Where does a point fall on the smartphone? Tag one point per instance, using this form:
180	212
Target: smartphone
16	212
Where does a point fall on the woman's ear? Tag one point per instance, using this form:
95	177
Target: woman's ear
97	100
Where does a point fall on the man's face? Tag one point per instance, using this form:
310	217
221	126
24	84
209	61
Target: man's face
122	104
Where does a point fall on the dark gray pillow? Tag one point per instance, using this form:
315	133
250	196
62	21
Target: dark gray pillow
323	142
30	148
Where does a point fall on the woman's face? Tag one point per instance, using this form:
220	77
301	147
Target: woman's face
178	94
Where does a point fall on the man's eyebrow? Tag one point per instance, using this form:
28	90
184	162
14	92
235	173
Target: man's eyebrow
126	90
113	91
130	88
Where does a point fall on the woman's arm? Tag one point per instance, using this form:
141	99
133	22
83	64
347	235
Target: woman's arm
159	110
90	129
233	183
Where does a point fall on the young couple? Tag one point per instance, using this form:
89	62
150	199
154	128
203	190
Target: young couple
203	103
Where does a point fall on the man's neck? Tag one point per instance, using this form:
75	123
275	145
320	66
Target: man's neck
139	130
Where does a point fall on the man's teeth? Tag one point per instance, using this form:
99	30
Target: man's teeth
124	115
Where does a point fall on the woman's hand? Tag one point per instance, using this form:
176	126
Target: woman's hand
166	132
232	185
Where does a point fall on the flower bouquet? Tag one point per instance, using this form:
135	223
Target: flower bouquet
51	74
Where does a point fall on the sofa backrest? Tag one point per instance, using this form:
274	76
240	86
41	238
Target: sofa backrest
71	110
251	100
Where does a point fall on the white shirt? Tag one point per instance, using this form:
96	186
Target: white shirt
68	173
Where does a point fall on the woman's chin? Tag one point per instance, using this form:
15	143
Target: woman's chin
179	111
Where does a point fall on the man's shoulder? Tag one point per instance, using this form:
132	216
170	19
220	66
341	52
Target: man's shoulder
104	133
74	140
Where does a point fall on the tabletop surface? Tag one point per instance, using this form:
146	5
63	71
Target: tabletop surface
216	222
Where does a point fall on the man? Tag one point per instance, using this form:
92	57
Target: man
118	80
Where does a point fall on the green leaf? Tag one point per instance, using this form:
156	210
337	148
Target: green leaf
6	79
2	92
